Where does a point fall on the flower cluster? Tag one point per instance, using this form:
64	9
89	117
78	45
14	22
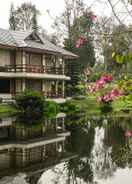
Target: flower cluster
105	94
80	41
106	78
100	83
93	17
109	96
128	133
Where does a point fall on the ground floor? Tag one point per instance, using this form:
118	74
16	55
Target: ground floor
49	88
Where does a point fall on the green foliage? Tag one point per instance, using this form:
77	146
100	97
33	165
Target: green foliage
31	104
123	104
126	85
106	107
79	105
94	76
85	52
7	110
70	107
122	59
50	109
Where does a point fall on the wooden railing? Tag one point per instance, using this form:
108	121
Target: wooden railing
32	69
46	94
53	94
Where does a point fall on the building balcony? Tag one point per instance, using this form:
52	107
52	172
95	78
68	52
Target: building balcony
33	72
32	69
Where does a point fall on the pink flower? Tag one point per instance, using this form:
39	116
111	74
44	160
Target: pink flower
80	42
100	83
106	78
128	133
115	93
93	17
92	89
107	97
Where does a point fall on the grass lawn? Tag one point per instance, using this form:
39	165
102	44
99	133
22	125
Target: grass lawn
87	105
90	107
7	110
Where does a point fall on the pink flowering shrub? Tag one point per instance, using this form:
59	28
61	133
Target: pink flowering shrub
109	96
93	17
100	83
102	87
80	41
128	133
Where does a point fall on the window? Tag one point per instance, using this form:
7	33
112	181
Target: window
5	86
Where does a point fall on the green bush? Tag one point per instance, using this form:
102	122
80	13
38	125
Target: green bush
70	107
123	104
51	109
94	76
31	104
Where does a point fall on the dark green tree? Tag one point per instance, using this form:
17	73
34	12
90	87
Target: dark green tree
80	28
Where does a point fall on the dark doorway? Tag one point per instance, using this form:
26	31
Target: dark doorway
4	86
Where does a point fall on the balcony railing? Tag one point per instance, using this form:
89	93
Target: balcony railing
53	94
32	69
46	94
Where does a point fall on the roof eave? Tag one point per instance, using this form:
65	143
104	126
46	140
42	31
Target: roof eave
40	50
5	46
70	56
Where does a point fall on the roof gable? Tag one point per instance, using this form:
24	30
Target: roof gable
34	37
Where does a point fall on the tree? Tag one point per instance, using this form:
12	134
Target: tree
80	30
24	17
62	24
12	20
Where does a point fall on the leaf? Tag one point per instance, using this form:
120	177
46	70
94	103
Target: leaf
130	57
120	59
113	54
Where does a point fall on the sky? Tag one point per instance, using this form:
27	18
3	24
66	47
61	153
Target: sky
55	7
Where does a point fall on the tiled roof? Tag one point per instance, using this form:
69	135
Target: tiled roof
6	38
19	39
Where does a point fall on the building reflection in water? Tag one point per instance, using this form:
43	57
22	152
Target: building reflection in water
29	148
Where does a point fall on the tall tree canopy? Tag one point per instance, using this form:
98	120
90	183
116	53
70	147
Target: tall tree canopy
24	17
80	31
76	23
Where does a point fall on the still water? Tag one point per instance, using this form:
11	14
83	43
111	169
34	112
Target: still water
63	150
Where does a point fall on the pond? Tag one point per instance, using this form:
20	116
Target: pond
66	150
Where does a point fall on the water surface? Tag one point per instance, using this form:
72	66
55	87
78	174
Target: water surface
75	150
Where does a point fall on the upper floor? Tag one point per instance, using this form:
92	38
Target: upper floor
23	61
30	53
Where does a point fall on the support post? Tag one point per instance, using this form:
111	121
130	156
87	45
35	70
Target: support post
63	66
56	88
63	89
23	61
23	84
44	63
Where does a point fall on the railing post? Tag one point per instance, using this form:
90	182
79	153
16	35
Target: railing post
23	61
63	67
23	84
44	62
